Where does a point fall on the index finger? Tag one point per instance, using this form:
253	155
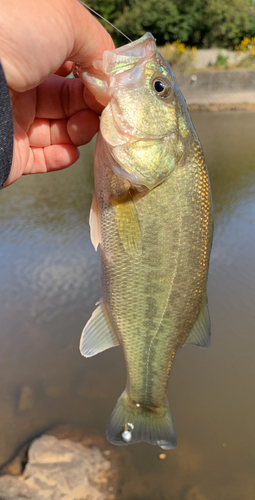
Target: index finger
59	98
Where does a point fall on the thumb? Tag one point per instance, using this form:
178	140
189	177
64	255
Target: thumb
90	38
36	39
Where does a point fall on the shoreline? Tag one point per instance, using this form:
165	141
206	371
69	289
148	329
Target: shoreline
214	106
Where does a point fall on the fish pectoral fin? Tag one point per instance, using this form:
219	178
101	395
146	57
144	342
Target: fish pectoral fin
94	223
98	334
200	333
128	225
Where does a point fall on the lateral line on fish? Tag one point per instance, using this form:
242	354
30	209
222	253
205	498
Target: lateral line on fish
106	20
155	334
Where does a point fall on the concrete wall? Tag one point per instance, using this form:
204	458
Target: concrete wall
218	87
208	57
218	81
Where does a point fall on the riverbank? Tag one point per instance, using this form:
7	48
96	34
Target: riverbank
218	90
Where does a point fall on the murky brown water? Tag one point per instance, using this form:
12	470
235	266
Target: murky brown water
49	283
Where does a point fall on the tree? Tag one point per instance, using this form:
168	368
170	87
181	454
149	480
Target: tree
161	18
228	21
221	23
204	23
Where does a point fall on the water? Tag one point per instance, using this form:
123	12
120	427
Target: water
49	283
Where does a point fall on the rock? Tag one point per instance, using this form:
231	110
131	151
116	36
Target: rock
17	465
26	399
85	437
62	469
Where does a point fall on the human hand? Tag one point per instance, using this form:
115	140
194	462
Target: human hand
52	115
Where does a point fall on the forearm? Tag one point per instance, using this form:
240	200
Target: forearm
6	130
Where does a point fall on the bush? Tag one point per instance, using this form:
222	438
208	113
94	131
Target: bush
221	61
178	55
247	46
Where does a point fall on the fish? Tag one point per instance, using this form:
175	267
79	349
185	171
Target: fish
151	214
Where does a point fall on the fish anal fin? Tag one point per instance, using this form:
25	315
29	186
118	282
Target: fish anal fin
98	334
128	224
94	223
200	333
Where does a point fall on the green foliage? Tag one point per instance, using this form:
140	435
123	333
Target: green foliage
136	17
247	47
204	23
221	61
228	21
158	17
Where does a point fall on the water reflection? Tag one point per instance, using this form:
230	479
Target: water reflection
230	151
49	283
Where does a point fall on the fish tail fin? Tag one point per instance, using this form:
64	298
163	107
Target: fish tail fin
131	423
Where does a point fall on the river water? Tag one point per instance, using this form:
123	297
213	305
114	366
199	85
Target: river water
49	283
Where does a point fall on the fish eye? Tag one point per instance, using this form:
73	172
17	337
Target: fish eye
161	86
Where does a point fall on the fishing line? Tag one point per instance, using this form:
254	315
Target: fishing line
106	20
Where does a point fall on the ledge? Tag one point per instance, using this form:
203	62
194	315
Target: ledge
218	90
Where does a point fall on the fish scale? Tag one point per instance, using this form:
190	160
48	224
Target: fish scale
152	208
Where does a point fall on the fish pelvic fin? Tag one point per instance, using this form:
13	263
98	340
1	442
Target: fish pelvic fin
98	334
131	423
200	333
94	223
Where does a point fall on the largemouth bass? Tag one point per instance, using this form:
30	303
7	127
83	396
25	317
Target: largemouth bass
151	214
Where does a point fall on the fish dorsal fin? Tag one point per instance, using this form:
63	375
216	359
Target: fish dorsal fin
94	222
128	225
98	334
200	333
